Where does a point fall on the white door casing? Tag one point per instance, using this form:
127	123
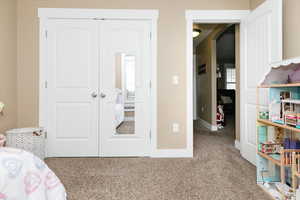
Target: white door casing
72	78
266	48
195	111
262	36
130	38
203	16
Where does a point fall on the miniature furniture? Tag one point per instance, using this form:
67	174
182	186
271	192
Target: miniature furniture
278	149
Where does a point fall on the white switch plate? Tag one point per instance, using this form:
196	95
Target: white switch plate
175	80
175	128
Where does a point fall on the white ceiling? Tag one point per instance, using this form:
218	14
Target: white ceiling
206	29
225	42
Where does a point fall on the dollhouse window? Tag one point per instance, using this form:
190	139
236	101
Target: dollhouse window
230	79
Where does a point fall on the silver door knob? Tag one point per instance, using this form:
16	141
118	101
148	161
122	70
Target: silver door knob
94	95
102	95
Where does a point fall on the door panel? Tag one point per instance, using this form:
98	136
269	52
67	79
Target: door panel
124	116
65	126
263	38
73	77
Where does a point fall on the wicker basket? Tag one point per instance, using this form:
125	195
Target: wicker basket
29	139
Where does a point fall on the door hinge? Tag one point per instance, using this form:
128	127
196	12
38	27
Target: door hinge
150	84
46	34
46	134
46	84
150	135
150	35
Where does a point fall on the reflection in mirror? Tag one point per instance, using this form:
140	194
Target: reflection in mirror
125	93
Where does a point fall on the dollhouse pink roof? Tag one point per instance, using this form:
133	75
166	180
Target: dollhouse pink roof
283	74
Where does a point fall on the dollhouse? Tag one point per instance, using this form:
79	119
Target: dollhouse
278	131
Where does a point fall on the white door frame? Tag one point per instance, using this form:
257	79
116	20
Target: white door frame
208	16
46	14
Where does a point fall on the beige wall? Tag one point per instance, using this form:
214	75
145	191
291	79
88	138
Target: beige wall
8	57
204	90
291	26
171	56
206	82
255	3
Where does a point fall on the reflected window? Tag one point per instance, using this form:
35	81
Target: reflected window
230	79
129	67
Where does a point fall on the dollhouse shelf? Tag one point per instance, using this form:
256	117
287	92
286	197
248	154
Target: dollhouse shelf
268	122
273	160
294	101
285	158
280	85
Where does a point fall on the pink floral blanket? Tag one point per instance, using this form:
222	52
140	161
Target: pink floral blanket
23	176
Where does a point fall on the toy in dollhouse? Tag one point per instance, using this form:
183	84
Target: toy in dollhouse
279	149
285	111
277	107
291	112
270	147
277	134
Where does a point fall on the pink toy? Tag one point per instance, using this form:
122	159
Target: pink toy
2	140
220	116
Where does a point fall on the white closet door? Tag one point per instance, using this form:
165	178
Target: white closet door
124	87
73	85
263	37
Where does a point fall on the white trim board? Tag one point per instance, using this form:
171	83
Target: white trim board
208	125
46	14
216	16
204	16
237	145
172	153
286	62
71	13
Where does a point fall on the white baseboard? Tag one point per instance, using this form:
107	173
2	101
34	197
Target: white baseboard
208	125
237	145
172	153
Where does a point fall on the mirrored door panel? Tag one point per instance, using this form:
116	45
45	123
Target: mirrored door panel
125	93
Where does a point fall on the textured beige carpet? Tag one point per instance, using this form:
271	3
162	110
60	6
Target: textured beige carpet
217	172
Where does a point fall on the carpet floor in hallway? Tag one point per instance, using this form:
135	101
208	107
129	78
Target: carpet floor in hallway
217	172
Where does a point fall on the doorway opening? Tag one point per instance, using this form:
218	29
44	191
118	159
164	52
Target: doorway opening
216	62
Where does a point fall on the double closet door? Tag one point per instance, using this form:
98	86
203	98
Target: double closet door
98	88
